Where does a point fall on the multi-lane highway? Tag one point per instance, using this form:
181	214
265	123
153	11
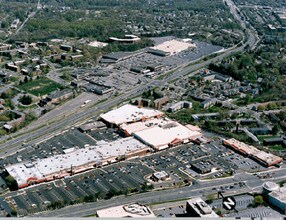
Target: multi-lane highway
201	188
14	144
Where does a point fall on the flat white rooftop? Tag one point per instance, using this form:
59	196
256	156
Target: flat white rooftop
129	113
166	134
133	210
174	46
280	194
139	126
21	173
201	207
97	44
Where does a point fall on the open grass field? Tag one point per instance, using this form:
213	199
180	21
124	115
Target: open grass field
39	87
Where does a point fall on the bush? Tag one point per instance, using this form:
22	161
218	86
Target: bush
258	200
26	100
14	212
11	182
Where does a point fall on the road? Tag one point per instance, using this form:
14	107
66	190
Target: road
203	187
41	133
13	143
54	75
9	146
235	11
253	184
29	16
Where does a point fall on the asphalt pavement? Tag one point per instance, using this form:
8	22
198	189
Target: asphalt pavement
200	190
44	132
80	117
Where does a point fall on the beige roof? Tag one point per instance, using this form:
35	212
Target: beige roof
266	157
242	146
164	135
280	194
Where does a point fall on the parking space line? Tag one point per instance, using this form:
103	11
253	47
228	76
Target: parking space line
55	195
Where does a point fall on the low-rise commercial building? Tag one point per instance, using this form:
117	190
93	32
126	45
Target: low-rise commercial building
115	57
97	88
75	161
160	176
129	114
202	169
277	198
166	134
173	46
267	159
196	207
132	210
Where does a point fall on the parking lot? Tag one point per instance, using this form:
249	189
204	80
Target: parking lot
53	146
168	62
242	202
213	159
118	177
173	160
237	161
244	163
202	49
124	177
258	212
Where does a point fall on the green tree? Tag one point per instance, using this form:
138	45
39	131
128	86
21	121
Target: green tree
261	108
275	129
258	200
11	182
218	211
272	106
26	100
26	79
210	198
14	212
